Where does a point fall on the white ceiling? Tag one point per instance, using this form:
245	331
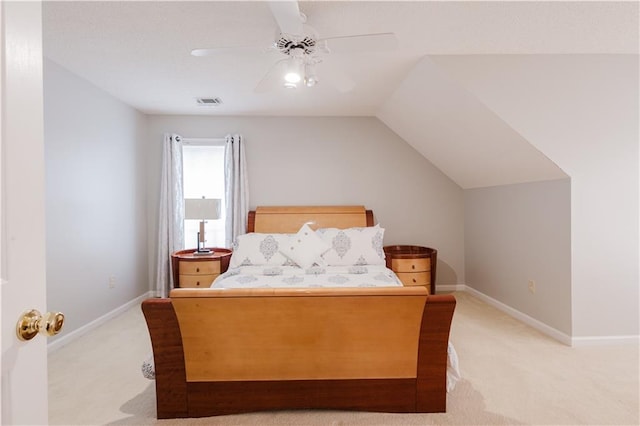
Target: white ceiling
139	51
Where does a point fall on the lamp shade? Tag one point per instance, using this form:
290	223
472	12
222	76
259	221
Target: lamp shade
202	208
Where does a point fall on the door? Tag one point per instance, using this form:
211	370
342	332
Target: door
22	248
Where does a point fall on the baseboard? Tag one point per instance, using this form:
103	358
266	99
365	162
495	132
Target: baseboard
605	340
448	288
532	322
67	338
547	330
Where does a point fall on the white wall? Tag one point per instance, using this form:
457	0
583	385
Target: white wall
582	112
329	160
517	233
95	199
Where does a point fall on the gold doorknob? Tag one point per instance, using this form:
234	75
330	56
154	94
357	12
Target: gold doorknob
32	323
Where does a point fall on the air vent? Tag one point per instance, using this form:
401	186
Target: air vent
209	101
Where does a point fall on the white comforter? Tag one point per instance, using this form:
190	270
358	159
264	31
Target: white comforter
316	276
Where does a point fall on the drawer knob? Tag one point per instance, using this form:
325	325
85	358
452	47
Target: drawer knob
197	269
414	280
413	266
198	283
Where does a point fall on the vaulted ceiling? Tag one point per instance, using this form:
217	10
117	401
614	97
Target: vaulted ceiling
140	53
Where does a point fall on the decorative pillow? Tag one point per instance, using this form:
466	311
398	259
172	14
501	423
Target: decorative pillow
305	248
353	246
255	249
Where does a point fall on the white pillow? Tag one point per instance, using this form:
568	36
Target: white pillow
258	249
354	246
305	248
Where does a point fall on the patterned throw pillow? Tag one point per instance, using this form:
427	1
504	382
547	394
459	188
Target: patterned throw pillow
305	248
258	249
353	246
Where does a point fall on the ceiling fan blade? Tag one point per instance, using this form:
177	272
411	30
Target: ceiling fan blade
362	43
231	49
272	78
287	15
209	52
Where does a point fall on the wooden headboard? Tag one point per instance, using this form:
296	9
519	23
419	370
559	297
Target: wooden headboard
289	219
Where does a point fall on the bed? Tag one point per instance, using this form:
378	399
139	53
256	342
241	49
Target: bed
258	345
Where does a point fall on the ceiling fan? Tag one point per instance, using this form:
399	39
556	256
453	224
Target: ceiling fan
303	50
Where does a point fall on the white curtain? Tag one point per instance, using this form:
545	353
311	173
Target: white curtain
171	214
236	188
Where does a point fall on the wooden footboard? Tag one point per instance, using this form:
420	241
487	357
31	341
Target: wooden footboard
232	351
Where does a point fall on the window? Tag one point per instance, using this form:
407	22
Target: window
203	175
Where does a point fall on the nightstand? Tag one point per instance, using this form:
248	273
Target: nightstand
414	265
198	271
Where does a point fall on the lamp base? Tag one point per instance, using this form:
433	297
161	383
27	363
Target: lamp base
201	251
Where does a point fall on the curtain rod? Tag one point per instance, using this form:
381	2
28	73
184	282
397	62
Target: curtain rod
203	140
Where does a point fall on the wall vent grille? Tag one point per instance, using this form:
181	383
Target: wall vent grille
209	101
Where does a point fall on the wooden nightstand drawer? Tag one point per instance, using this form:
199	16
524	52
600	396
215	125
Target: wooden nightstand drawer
414	265
198	270
197	281
415	278
205	267
411	265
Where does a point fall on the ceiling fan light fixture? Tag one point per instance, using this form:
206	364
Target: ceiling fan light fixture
294	69
290	85
292	77
310	77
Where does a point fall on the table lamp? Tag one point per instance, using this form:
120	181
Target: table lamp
202	209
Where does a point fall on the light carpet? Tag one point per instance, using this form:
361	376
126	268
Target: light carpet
511	374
